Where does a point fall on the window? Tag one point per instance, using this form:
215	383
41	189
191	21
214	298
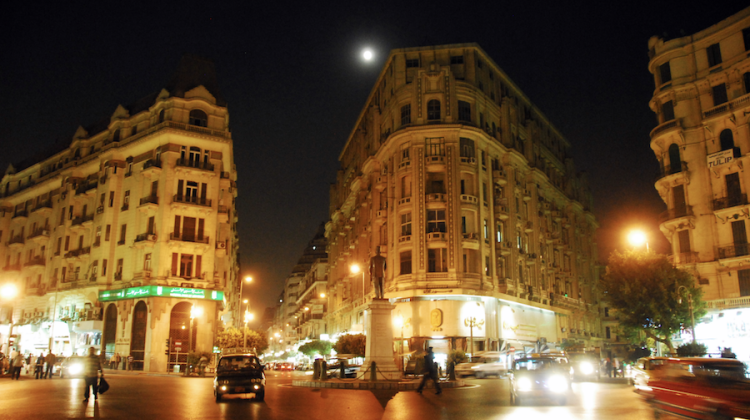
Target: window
67	242
464	111
684	239
743	276
667	111
608	333
406	114
726	139
186	265
486	230
116	136
435	221
436	260
665	73
406	224
94	270
104	267
500	231
405	152
411	63
467	147
714	55
487	266
147	262
123	232
198	118
118	270
405	262
746	38
675	165
720	94
406	186
479	63
111	198
161	116
126	200
457	59
435	146
746	80
433	110
107	232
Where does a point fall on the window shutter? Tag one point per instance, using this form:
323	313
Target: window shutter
175	263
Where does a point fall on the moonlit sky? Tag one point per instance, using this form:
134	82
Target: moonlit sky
295	81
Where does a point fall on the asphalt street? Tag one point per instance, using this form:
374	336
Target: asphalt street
161	397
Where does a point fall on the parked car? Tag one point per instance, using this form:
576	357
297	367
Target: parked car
239	374
72	367
484	365
700	388
584	366
334	367
540	376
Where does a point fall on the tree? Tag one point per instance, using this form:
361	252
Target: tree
642	287
692	350
233	337
351	344
321	347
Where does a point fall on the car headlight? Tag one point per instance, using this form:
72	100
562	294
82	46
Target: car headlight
586	368
75	369
524	384
558	383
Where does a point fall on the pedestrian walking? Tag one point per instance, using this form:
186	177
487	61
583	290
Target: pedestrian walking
430	372
130	362
16	366
92	367
51	359
39	367
30	360
609	367
117	360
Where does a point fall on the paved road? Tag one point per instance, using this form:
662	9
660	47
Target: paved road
153	397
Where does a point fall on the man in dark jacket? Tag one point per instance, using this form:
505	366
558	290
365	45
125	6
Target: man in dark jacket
92	364
430	372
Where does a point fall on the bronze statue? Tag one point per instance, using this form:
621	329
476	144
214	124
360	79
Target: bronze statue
377	273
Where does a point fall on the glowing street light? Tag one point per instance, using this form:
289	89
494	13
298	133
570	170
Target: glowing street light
367	54
8	291
637	238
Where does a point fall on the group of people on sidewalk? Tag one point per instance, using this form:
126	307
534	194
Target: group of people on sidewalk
42	365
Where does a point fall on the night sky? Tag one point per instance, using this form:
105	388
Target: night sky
295	84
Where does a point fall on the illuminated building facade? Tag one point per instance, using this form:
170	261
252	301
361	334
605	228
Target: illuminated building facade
702	102
469	192
116	235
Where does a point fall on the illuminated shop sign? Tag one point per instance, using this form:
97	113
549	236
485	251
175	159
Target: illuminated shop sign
160	291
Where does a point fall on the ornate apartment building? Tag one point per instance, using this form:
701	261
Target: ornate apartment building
116	236
469	192
702	102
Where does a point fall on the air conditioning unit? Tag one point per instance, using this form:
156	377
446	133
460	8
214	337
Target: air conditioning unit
562	329
221	245
45	232
151	237
146	274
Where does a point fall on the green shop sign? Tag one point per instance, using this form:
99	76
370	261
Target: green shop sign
160	291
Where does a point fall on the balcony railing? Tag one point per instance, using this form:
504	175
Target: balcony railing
198	201
12	267
42	231
18	239
684	258
38	260
727	202
188	238
662	127
676	213
78	252
145	237
152	163
736	250
43	205
195	163
20	213
670	170
151	199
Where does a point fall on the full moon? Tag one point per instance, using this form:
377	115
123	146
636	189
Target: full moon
367	54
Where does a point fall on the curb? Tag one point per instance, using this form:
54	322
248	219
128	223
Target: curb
363	385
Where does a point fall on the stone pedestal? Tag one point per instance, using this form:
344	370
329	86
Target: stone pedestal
379	348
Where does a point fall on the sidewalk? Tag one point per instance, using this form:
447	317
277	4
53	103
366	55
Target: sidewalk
108	371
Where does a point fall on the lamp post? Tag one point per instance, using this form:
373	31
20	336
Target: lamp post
248	317
248	279
472	322
195	311
8	292
690	308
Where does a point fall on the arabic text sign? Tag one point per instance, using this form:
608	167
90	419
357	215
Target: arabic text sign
160	291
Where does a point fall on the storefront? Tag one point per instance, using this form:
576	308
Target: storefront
725	328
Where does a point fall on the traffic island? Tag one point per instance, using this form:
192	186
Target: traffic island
359	384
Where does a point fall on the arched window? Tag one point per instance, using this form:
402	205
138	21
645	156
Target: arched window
726	139
161	116
116	136
433	110
199	118
675	164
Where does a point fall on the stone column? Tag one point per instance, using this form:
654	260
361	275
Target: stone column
379	347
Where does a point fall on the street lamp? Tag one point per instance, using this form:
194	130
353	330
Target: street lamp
248	279
472	322
248	317
400	323
637	238
195	312
355	268
690	308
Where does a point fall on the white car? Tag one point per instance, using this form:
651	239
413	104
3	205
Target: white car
488	364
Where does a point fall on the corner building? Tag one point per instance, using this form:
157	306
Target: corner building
469	192
702	103
114	237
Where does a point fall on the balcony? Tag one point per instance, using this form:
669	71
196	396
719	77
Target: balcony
505	248
150	202
738	103
144	240
664	127
435	163
21	214
671	170
381	182
435	198
405	163
468	160
684	258
194	164
151	168
469	199
381	216
43	207
499	177
727	202
41	235
188	238
405	200
671	214
37	261
223	214
80	253
502	211
12	267
16	241
732	251
82	222
87	188
196	201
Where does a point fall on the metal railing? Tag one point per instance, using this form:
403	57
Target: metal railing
675	213
151	199
731	201
198	201
736	250
188	238
195	163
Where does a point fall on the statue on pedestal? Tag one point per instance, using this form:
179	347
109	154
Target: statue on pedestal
377	273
